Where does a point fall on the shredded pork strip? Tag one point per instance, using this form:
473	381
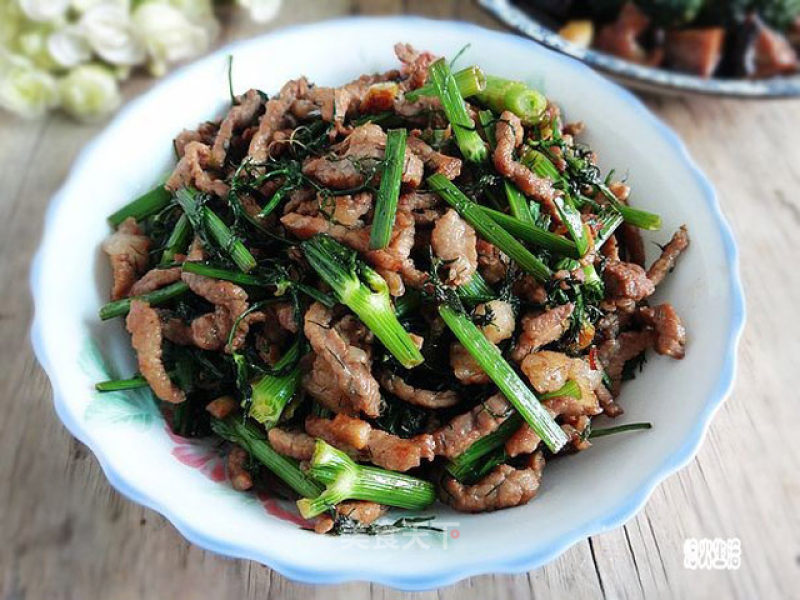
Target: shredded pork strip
669	256
503	487
144	325
127	251
509	134
352	386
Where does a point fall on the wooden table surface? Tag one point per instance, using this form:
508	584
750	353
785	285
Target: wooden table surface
67	534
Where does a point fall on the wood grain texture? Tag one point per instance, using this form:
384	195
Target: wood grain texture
67	534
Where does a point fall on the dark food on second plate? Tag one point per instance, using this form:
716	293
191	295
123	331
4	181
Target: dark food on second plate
709	38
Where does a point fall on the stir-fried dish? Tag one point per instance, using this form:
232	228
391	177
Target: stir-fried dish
414	285
709	38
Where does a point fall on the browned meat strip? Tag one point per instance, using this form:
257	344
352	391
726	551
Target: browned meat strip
155	279
509	132
284	312
539	330
348	210
460	433
626	284
492	263
127	251
465	367
274	118
696	51
205	133
193	169
221	407
144	325
503	487
211	330
358	157
549	371
523	441
237	471
415	64
380	97
670	333
449	166
417	396
239	116
349	364
399	454
295	444
360	440
357	510
341	431
423	207
606	399
614	353
669	256
453	240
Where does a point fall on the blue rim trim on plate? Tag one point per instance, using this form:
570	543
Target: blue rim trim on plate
679	458
640	76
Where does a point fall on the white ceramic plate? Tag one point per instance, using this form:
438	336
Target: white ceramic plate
581	495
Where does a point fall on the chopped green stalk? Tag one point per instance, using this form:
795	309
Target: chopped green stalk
569	214
249	437
465	464
144	206
467	138
202	216
532	233
596	433
488	228
518	203
119	308
633	216
315	294
541	165
271	393
487	121
407	303
178	240
610	219
470	81
496	457
389	191
593	282
570	388
347	480
117	385
364	292
231	244
476	290
224	274
488	356
505	94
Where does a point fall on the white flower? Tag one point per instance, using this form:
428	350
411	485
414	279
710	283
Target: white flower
10	21
109	31
43	10
68	46
169	35
24	89
31	41
262	11
89	92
